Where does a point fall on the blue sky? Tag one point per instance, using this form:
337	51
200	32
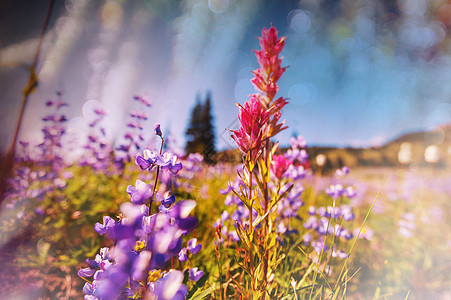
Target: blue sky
358	75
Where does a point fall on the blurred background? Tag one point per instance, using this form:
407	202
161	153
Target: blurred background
361	73
368	84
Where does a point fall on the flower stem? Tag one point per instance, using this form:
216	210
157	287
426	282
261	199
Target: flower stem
266	225
251	230
156	178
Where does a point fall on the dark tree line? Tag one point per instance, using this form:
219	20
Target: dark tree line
200	134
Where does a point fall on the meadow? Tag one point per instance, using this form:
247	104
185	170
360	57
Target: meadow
404	252
138	221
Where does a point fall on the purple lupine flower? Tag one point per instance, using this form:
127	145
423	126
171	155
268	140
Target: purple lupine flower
108	225
281	228
193	246
298	142
334	212
88	289
141	193
307	238
225	215
347	214
342	172
140	265
168	161
346	234
311	222
195	274
166	199
296	154
183	254
86	272
147	160
322	211
319	245
143	163
335	190
170	286
350	192
341	254
312	210
234	236
295	173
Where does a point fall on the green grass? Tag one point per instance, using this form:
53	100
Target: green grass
389	266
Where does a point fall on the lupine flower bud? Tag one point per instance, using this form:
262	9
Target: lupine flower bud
157	130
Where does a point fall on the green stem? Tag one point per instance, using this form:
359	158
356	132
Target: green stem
251	230
266	225
156	179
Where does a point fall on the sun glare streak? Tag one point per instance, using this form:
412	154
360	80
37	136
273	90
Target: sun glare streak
67	32
21	54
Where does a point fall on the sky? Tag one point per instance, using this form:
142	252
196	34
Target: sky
360	73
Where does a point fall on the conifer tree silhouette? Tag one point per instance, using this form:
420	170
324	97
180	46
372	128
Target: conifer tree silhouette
200	132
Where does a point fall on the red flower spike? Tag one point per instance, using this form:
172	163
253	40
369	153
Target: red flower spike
270	64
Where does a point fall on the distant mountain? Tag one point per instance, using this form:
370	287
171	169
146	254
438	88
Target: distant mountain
408	149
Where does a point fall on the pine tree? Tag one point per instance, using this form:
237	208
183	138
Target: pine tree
200	132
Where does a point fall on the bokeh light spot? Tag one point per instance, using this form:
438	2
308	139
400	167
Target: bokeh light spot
218	6
88	109
300	22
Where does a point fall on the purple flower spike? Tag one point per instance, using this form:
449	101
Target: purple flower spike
335	190
193	246
195	274
157	130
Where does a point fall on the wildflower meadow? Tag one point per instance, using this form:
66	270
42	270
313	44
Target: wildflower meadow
136	218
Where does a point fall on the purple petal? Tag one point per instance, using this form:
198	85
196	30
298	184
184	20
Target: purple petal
142	163
168	201
195	274
188	224
87	288
86	272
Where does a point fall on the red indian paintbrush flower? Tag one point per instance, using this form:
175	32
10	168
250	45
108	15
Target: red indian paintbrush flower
260	115
268	58
253	118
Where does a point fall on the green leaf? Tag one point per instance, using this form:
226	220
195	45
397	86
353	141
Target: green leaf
202	294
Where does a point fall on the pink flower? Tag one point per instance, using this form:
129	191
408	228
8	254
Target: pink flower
270	43
279	165
270	64
253	118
